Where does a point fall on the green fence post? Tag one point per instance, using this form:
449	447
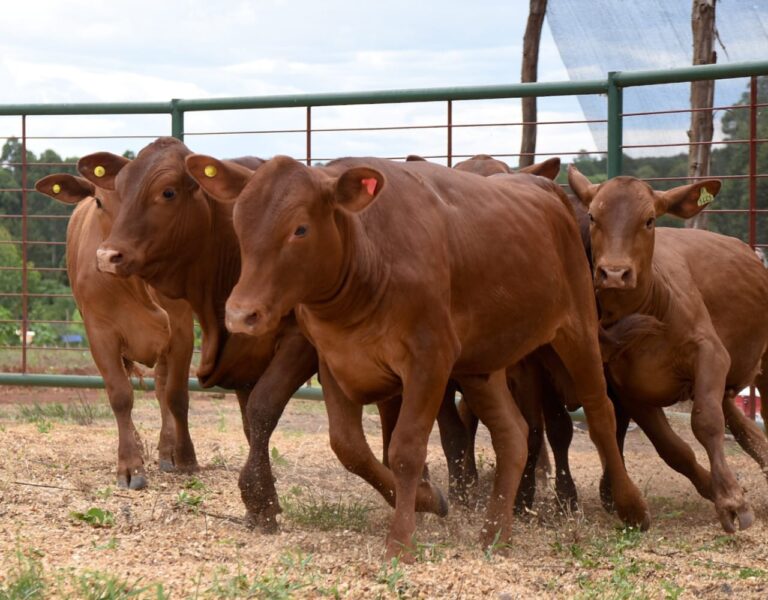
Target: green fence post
615	108
177	120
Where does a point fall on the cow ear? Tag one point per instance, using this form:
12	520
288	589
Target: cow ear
549	168
222	179
356	188
686	201
65	188
101	168
415	158
581	186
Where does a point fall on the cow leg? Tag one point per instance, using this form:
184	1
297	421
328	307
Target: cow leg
130	464
622	424
177	394
746	432
167	438
491	400
423	394
708	424
672	449
559	432
576	346
470	422
349	444
530	408
294	362
389	410
455	438
242	399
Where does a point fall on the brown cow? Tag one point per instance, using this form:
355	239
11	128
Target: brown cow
181	242
127	322
684	311
441	277
175	237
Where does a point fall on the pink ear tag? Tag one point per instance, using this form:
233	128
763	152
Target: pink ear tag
370	185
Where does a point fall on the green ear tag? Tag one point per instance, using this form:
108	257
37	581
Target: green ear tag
705	197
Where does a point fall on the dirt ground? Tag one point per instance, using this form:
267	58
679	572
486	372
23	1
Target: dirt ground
65	527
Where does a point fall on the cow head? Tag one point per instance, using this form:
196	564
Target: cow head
290	221
163	214
623	213
70	189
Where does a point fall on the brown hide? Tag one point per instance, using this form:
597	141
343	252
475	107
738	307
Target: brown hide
126	322
703	333
445	274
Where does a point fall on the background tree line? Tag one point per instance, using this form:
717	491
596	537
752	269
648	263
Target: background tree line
730	159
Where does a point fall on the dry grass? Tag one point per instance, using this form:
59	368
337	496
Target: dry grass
183	537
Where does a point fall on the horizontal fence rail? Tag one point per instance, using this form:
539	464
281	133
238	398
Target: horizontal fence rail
308	134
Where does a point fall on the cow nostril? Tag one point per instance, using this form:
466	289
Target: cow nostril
626	276
252	319
116	258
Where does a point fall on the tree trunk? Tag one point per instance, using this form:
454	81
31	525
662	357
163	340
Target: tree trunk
529	73
702	97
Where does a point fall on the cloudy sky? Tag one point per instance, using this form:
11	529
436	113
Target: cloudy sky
86	51
77	51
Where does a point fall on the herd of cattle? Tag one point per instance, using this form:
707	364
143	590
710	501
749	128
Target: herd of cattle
403	282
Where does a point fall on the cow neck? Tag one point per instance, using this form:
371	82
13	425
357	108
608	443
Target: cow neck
210	280
361	282
650	297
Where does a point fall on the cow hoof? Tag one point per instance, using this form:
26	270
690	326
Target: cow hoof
743	516
166	465
138	482
262	523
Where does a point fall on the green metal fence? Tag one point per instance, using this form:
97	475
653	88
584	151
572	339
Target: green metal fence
612	87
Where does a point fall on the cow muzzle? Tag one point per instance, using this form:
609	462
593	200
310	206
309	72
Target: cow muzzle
618	277
251	320
108	260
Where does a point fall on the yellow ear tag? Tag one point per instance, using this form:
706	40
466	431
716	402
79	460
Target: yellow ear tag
210	171
56	188
99	171
705	197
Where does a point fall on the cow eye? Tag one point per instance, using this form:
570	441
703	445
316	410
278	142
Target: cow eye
98	203
169	193
591	218
649	223
301	231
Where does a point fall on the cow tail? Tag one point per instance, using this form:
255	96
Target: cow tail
626	333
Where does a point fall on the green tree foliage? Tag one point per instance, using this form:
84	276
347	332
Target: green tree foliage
39	256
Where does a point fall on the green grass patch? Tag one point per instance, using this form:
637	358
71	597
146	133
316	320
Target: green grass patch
282	582
81	413
95	585
95	517
326	515
25	579
187	501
